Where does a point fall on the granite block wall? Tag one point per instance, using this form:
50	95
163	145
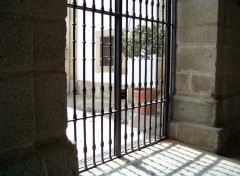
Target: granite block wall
33	115
207	74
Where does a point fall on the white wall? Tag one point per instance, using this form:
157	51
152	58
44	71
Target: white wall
88	34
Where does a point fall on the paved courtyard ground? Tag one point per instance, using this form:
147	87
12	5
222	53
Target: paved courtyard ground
169	158
165	158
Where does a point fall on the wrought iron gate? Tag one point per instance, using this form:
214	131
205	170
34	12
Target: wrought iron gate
121	75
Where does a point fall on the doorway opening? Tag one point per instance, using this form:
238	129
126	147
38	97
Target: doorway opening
119	65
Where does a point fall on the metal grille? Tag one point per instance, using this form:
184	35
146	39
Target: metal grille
121	76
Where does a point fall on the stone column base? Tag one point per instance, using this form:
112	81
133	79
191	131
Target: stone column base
57	156
197	135
218	140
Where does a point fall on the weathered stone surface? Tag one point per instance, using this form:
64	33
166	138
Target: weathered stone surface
197	135
50	9
22	161
15	30
50	104
218	84
49	45
59	156
203	83
55	156
17	109
200	136
231	109
230	140
195	110
189	15
15	7
229	36
172	130
196	59
33	100
229	13
197	35
183	82
229	61
231	83
44	8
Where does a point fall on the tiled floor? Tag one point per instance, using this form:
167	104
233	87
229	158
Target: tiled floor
168	158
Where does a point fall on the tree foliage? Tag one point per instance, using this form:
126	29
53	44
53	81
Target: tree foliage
142	42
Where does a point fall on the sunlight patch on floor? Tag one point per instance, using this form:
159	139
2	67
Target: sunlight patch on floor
168	158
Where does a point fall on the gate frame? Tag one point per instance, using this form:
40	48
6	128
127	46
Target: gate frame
169	90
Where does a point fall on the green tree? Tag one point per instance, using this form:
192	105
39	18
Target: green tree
145	41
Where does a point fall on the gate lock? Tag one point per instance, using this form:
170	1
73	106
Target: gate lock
123	94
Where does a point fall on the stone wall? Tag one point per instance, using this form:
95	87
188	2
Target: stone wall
228	73
33	90
204	62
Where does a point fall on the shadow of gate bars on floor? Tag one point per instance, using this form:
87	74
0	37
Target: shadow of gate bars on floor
113	53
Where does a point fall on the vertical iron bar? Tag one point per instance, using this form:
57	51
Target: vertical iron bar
102	85
126	66
84	84
156	83
132	85
173	55
145	81
167	64
110	81
74	71
162	67
118	73
140	65
93	82
151	74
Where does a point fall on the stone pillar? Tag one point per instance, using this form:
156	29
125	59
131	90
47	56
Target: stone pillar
33	116
200	105
228	74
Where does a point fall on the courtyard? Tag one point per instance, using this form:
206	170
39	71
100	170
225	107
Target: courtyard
168	157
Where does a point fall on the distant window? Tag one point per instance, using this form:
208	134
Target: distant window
106	51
